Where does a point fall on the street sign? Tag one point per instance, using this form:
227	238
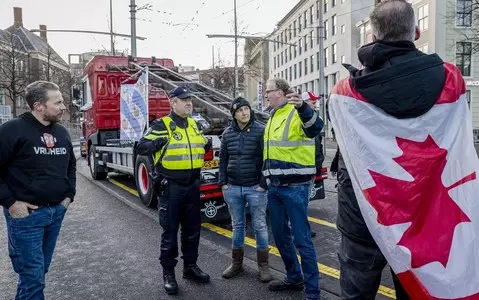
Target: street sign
260	96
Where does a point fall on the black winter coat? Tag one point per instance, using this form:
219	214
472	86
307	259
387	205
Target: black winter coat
241	155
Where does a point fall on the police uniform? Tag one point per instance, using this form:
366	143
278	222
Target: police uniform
178	149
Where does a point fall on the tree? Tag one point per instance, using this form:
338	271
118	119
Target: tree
14	68
465	15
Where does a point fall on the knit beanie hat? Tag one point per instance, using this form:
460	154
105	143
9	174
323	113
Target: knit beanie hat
237	103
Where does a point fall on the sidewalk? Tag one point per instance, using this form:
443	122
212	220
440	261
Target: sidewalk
109	251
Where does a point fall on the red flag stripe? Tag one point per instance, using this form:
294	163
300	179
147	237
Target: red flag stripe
454	87
416	290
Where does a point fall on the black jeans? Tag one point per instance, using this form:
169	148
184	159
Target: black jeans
180	205
361	266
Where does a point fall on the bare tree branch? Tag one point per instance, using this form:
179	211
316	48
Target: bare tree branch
14	69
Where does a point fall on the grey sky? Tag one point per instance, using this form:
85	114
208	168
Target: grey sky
185	45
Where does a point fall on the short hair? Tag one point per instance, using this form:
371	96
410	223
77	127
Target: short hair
393	20
37	92
281	84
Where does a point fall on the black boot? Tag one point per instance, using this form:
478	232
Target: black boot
282	285
194	273
170	284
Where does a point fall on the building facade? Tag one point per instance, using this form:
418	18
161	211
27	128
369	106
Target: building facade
448	28
26	57
294	54
256	71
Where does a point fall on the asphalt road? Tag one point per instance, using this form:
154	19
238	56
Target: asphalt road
108	249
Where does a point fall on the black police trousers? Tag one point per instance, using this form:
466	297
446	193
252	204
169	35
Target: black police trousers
180	205
361	267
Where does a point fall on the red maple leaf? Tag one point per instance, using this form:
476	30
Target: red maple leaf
425	202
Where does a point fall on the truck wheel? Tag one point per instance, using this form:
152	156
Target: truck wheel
144	184
93	162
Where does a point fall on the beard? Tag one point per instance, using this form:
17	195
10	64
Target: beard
53	118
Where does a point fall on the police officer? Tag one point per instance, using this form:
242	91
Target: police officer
178	149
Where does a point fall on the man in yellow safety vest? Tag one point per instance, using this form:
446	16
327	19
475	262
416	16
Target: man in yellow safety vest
290	166
178	149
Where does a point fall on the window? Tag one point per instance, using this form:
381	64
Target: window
317	9
312	63
423	48
311	18
463	57
464	9
305	42
333	25
343	59
326	63
2	97
335	78
325	10
300	46
423	17
300	67
311	39
333	3
286	74
326	85
335	54
294	28
468	98
343	29
317	61
295	72
326	33
299	24
306	66
290	73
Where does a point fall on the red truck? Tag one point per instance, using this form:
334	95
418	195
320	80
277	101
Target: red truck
102	80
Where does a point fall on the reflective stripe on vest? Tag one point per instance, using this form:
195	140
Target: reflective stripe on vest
185	148
287	150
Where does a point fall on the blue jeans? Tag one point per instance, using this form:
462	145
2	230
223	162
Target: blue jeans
31	242
289	204
237	197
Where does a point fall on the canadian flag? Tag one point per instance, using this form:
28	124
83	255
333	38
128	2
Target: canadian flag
309	96
416	184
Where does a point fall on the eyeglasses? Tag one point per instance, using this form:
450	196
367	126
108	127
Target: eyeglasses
267	92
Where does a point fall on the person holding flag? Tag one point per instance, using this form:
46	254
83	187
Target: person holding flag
408	187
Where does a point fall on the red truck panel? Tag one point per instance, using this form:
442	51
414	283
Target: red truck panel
105	93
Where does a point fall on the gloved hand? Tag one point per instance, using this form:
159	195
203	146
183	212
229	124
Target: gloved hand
159	143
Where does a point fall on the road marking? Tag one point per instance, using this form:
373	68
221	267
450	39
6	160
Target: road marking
322	222
383	290
122	186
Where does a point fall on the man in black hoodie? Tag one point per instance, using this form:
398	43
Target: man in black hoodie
37	183
391	62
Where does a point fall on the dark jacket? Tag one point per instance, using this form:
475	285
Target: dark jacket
37	163
148	148
306	114
319	154
403	82
241	154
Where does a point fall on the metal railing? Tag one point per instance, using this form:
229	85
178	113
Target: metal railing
74	129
